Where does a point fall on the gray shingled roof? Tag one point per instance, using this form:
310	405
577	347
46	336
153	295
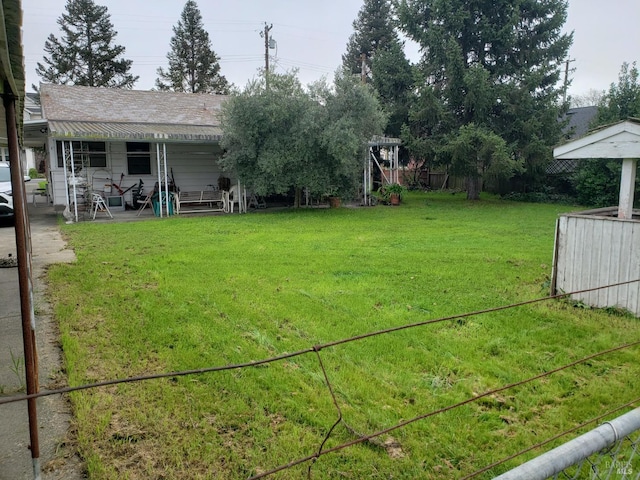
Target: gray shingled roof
103	113
579	120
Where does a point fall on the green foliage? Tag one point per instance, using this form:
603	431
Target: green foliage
494	63
284	137
477	153
622	101
373	31
385	192
375	53
33	173
393	79
85	54
597	182
193	65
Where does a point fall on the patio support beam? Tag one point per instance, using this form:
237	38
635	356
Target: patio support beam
627	186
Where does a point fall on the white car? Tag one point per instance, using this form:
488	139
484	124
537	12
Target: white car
6	199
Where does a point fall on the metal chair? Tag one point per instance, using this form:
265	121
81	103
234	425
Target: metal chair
97	203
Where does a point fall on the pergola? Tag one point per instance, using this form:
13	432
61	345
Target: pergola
392	145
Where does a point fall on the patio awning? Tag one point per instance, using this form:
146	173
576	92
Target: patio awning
68	130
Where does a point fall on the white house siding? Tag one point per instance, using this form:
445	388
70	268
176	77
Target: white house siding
194	168
594	251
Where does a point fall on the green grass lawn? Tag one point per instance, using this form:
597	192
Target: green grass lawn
186	293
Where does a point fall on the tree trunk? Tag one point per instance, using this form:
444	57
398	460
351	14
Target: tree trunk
298	197
473	188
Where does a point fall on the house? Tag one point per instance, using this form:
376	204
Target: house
108	140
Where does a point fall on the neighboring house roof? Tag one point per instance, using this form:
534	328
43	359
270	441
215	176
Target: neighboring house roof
74	111
32	108
580	120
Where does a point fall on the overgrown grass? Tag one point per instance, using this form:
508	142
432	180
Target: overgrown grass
187	293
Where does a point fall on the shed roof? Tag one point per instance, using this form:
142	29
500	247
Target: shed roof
106	113
620	140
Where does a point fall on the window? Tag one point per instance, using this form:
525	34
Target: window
138	158
87	154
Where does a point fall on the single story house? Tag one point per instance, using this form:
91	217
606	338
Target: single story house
108	140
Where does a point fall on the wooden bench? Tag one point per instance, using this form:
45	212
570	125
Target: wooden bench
211	200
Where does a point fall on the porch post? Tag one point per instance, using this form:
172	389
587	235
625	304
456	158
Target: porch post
627	185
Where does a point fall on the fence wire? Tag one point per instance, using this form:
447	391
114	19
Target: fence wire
609	461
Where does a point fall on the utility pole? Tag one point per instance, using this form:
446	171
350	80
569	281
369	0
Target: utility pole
265	34
363	67
566	79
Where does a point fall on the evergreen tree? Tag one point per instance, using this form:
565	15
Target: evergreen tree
393	79
494	63
623	99
375	42
193	65
373	31
85	54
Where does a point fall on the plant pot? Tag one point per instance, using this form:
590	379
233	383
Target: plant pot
394	199
334	202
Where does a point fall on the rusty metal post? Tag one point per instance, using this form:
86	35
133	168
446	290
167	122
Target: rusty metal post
23	249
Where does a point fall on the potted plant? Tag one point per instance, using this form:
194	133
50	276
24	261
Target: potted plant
392	193
334	197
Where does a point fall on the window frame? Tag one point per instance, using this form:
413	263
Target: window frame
138	158
85	153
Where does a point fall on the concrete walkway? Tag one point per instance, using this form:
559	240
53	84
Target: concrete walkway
57	459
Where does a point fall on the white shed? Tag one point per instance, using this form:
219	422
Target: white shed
596	248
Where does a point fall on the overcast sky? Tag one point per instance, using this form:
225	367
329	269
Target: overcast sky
312	36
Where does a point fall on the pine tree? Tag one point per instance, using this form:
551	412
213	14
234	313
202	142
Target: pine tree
494	63
193	65
373	30
375	42
85	54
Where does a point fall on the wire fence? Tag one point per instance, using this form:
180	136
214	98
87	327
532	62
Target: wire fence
603	461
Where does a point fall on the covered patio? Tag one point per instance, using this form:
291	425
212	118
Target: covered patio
113	151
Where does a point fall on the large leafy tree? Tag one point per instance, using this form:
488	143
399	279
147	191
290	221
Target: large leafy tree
493	63
85	54
193	65
285	138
